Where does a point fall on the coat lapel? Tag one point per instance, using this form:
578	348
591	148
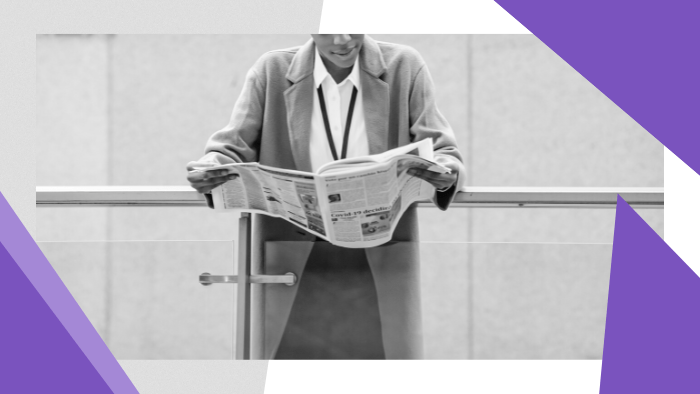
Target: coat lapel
299	102
375	95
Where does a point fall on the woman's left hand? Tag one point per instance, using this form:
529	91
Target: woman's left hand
440	181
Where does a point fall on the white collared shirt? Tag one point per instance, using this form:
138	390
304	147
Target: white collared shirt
337	98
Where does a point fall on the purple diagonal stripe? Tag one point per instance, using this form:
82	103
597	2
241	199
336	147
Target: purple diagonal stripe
37	355
29	258
643	55
651	331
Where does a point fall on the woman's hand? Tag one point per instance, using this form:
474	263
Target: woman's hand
205	181
440	181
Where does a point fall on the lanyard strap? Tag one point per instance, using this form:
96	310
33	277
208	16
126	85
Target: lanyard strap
351	108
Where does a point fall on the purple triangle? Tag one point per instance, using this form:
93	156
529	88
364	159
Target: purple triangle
38	354
653	319
24	258
643	55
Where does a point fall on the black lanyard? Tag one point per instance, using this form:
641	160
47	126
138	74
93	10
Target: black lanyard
351	108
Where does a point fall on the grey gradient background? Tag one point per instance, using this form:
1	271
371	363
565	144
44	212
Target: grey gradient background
21	21
500	284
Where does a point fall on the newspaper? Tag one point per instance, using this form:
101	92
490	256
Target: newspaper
353	203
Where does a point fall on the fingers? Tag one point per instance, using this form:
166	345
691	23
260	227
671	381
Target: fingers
191	166
212	181
438	180
205	181
207	188
202	176
208	185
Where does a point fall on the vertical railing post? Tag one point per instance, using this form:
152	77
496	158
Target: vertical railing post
257	304
243	289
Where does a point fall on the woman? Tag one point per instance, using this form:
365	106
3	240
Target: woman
300	108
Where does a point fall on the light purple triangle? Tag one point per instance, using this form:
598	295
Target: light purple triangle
29	258
652	330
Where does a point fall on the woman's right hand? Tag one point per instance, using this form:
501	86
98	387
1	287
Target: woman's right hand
204	181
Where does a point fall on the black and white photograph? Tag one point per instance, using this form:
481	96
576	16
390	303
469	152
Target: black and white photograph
494	243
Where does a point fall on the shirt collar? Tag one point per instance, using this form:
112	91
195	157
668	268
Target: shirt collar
321	73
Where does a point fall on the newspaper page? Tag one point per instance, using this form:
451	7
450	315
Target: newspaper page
366	206
354	205
287	194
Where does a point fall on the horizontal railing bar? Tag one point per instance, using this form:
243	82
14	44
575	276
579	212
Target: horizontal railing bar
185	196
289	279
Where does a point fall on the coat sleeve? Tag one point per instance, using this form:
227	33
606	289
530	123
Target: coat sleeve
427	122
239	141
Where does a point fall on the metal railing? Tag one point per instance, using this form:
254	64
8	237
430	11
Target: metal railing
530	197
184	196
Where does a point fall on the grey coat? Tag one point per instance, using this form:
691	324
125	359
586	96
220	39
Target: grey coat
271	124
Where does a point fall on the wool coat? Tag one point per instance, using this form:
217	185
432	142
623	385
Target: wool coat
271	124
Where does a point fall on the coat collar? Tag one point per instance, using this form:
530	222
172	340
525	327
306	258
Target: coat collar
302	63
299	100
371	59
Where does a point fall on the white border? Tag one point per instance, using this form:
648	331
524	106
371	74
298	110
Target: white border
682	209
418	17
421	377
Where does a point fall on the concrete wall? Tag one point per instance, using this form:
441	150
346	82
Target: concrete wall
498	283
